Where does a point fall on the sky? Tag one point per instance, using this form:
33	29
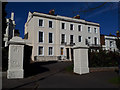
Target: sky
106	14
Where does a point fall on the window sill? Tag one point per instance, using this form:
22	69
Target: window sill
41	26
40	55
50	28
50	55
40	42
51	43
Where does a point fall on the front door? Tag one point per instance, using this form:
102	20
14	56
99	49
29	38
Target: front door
72	53
67	51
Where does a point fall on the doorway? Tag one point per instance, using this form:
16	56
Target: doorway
67	51
72	56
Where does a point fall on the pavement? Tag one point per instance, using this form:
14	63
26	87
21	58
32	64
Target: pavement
54	75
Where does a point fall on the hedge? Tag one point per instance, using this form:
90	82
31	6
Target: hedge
103	58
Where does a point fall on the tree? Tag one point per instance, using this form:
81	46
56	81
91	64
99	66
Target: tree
16	32
118	43
118	46
4	24
5	49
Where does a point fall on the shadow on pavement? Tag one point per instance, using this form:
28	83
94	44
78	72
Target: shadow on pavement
36	68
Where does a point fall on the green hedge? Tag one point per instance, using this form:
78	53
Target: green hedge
103	59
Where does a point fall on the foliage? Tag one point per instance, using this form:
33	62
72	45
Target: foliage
16	32
103	59
118	43
69	68
115	80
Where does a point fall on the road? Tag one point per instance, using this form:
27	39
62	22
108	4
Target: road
53	75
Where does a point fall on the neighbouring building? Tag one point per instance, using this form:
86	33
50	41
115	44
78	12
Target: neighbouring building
52	37
9	33
108	42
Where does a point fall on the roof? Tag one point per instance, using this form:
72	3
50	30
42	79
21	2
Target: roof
64	18
108	35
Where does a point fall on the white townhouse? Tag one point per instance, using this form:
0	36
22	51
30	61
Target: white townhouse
52	37
108	42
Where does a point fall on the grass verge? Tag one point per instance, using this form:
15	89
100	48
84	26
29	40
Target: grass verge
115	80
69	68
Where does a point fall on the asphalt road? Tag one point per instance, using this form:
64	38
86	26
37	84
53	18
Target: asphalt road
53	75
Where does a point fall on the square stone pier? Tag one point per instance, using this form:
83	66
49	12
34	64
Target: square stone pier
81	59
16	55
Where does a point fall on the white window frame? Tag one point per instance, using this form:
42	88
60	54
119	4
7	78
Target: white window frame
52	38
61	25
94	30
65	38
90	40
38	36
52	24
111	44
42	24
70	25
43	51
52	51
90	30
61	36
73	38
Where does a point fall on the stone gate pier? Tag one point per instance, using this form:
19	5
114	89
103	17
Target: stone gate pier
81	59
15	58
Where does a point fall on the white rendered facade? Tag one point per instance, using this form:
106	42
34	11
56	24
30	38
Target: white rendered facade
53	36
110	43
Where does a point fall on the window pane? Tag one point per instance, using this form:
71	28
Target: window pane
88	29
40	36
50	50
95	40
63	38
89	40
95	30
40	50
79	38
40	22
50	37
50	24
111	43
63	25
71	26
86	41
79	27
71	38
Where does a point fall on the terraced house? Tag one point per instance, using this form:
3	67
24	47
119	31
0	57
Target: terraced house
108	42
53	37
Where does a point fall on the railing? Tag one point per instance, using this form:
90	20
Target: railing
64	43
72	44
94	45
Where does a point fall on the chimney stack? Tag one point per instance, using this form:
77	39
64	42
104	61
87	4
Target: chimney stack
118	34
77	17
12	16
52	12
